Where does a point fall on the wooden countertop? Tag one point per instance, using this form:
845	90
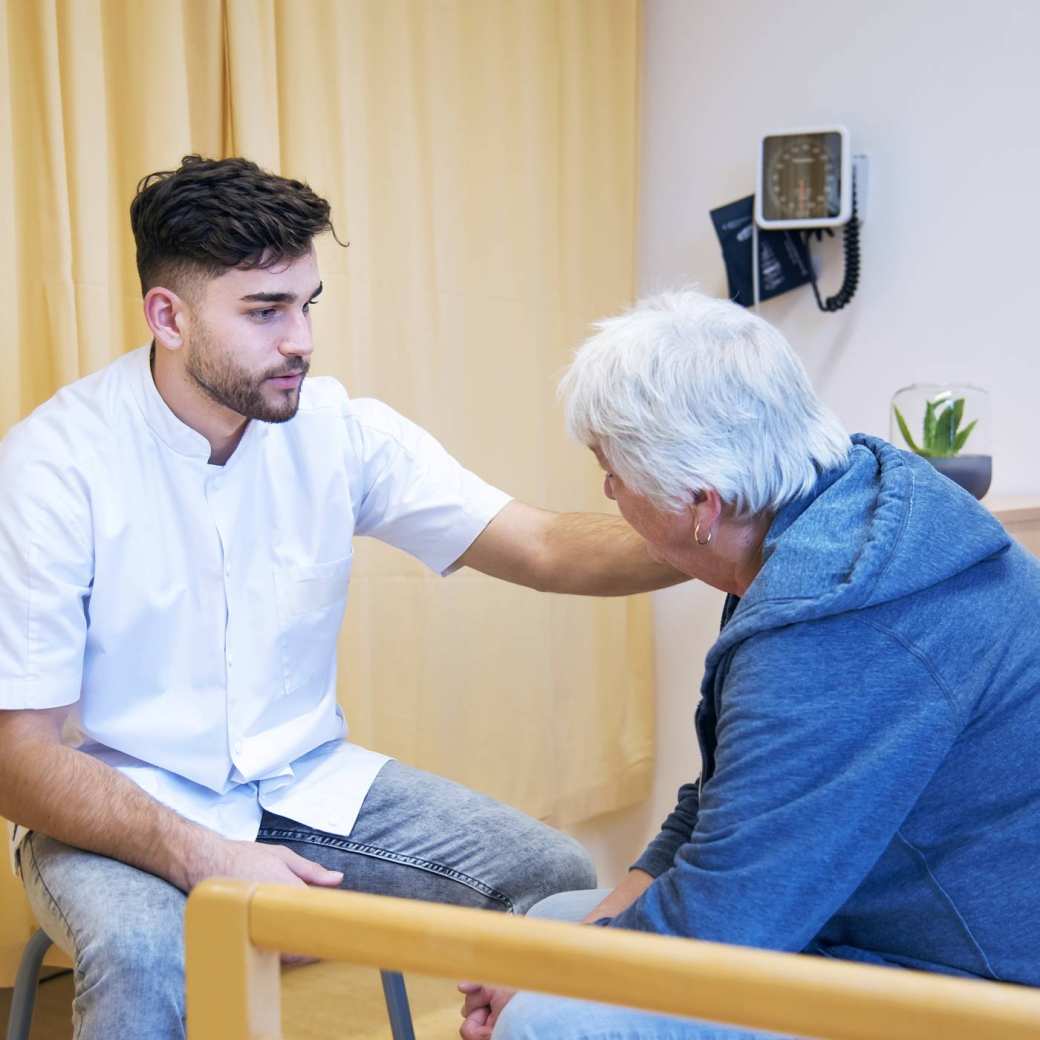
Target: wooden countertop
1013	508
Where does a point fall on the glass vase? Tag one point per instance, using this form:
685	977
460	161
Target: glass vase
949	425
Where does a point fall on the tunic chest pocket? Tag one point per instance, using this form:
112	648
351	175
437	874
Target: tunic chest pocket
311	601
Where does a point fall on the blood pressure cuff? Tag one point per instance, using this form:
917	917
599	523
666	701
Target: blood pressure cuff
783	257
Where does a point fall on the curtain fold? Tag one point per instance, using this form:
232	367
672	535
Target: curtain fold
480	158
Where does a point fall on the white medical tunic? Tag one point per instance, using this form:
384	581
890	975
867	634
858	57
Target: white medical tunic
189	612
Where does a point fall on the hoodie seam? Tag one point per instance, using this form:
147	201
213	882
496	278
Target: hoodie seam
934	881
883	570
922	657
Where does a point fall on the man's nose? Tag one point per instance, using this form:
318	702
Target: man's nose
299	342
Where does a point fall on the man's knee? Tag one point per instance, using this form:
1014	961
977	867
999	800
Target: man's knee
572	867
558	864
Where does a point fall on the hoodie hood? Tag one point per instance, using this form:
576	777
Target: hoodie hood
885	525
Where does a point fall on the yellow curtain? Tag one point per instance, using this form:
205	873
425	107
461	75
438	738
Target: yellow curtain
480	155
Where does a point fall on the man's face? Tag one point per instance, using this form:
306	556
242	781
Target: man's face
248	339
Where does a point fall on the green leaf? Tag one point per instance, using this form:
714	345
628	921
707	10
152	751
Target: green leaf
905	431
928	440
946	431
963	436
958	408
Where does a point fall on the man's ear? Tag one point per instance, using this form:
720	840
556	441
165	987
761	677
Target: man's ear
166	314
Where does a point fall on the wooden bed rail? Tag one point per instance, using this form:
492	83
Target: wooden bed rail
236	930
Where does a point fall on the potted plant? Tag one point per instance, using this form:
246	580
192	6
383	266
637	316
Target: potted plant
954	427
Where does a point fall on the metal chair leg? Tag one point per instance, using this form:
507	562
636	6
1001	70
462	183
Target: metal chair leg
397	1006
23	997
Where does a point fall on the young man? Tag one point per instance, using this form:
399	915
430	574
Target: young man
175	550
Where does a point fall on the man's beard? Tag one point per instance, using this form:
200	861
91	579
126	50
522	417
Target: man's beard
223	381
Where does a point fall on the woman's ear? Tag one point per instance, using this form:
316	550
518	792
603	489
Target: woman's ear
705	510
164	312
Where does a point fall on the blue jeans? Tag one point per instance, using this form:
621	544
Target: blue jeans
533	1016
418	836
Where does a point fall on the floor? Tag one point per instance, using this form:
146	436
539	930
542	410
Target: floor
51	1018
318	1002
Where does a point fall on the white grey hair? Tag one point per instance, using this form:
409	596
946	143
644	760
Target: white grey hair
685	392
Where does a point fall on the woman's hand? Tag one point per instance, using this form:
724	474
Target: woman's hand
483	1004
481	1008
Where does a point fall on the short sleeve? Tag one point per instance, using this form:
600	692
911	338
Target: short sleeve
413	494
46	566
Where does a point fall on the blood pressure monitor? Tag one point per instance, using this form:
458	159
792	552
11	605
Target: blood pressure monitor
804	179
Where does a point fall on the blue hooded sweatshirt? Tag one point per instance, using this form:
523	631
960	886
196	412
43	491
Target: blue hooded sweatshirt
869	731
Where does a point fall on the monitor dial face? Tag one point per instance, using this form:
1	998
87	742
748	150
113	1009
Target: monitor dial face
802	176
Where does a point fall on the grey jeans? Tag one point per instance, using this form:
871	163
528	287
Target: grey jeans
418	836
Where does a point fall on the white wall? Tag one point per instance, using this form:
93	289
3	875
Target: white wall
944	97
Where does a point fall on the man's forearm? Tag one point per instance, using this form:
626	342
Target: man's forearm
81	801
592	554
585	554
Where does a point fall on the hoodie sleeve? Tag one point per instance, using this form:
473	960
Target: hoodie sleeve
828	732
677	829
675	832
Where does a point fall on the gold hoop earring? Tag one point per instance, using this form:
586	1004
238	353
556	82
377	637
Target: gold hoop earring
697	535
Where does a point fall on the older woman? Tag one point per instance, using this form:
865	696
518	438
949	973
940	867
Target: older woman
868	722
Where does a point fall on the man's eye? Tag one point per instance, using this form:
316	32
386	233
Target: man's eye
263	314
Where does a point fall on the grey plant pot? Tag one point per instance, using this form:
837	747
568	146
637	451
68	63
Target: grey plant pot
972	472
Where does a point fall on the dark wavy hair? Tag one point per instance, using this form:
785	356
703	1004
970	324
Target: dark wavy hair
209	215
